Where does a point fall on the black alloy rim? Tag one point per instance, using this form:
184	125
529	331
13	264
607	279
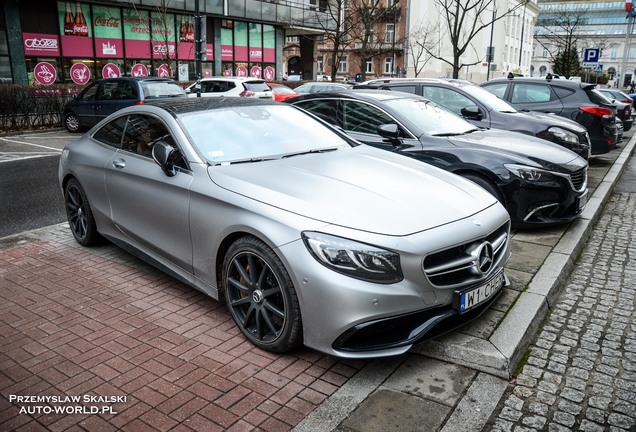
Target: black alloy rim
76	212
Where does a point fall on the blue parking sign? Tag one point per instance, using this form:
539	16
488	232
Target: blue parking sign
590	57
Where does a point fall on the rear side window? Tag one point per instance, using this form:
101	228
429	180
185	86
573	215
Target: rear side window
563	92
112	132
411	89
159	89
108	90
531	93
325	109
256	86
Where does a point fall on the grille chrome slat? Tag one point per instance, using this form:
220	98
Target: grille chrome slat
457	266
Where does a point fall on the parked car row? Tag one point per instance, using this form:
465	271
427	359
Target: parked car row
355	221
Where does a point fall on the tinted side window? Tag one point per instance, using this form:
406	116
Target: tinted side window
126	90
562	92
498	90
256	86
111	133
89	92
325	109
531	93
142	132
363	118
108	90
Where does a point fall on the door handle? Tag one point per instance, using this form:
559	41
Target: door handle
119	163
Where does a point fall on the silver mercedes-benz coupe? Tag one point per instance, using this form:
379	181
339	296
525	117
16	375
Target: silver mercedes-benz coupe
310	237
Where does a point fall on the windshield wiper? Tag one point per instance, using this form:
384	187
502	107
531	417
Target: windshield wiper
242	161
325	150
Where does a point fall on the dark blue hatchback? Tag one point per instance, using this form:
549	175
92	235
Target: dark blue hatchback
103	97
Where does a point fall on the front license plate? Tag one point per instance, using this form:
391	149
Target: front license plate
581	201
474	297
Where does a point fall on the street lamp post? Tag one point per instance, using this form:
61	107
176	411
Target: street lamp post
523	25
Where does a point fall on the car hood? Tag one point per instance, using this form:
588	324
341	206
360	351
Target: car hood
554	120
522	148
361	188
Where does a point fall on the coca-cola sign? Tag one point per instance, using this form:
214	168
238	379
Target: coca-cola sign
106	22
41	44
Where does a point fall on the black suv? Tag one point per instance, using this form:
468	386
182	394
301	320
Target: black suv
570	99
485	110
104	97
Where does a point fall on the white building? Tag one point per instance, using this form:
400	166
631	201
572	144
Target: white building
512	39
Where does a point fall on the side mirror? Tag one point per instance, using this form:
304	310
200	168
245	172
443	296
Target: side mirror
472	112
188	91
390	133
163	154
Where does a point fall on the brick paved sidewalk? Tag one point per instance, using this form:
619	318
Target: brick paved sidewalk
98	322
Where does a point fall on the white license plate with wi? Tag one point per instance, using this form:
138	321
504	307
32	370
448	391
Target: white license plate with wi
476	296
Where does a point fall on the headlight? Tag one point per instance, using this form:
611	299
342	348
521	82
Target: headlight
530	174
358	260
564	135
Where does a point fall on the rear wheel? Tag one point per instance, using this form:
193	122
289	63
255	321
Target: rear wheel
261	297
79	214
72	123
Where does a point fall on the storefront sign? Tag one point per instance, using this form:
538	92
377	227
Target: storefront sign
80	73
241	71
255	72
74	29
44	73
139	70
269	73
163	71
111	70
207	73
137	33
256	54
108	42
44	45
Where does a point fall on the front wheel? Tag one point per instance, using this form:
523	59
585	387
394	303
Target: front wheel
79	214
72	123
261	297
487	185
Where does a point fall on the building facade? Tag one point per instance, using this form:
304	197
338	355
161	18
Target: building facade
508	40
602	24
64	42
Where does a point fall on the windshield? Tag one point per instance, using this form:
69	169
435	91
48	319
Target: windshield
432	119
254	133
489	99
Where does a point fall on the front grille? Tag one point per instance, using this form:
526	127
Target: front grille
457	266
579	179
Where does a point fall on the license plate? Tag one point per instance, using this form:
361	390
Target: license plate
474	297
581	201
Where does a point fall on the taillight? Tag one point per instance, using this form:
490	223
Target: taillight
247	93
139	102
605	113
628	112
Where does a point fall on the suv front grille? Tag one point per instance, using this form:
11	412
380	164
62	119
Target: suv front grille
460	266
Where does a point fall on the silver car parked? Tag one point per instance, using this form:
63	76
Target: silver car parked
353	251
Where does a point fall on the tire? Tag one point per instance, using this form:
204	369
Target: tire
486	184
79	215
261	297
72	123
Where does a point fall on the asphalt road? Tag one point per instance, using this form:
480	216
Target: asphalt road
29	195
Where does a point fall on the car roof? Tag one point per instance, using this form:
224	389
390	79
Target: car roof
179	106
360	94
231	78
560	81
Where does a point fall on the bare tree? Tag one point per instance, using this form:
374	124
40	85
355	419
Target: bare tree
421	41
559	35
464	19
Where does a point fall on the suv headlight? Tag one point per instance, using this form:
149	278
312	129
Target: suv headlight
564	135
351	258
530	174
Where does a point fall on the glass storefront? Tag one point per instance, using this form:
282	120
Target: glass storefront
94	41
